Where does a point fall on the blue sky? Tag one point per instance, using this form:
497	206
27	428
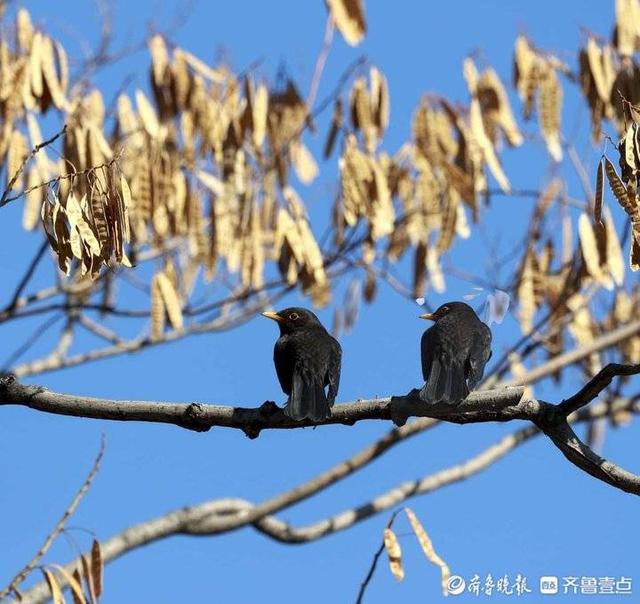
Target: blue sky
532	513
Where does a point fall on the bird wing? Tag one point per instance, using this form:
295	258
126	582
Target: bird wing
333	370
479	354
283	359
443	373
429	348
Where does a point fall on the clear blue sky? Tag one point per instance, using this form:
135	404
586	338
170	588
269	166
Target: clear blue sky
532	513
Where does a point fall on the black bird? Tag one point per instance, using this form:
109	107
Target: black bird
307	359
454	353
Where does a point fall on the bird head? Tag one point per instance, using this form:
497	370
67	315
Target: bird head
292	319
446	309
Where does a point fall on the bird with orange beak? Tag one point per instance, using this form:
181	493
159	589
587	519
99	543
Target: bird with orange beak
307	358
454	353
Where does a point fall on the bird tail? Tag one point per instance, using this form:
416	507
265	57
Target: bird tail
307	401
445	384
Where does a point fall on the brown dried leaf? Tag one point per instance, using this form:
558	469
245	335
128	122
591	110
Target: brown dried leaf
54	586
49	72
202	68
73	210
526	295
35	60
370	287
394	552
74	582
427	548
525	72
24	30
597	207
303	162
436	278
336	125
170	299
349	18
159	58
16	155
617	187
32	202
259	115
490	85
147	114
379	100
488	151
214	184
549	109
590	251
88	579
78	579
158	315
615	258
97	567
626	33
419	270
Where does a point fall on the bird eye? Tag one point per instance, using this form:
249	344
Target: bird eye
293	316
445	309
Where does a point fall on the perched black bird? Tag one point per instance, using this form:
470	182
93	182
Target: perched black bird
454	353
307	359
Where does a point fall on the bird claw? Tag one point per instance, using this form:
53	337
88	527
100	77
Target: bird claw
268	408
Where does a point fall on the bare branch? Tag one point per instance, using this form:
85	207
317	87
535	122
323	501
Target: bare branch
374	563
28	274
21	576
503	405
5	199
563	360
203	519
595	386
493	405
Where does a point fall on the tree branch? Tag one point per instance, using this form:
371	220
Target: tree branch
595	386
5	199
203	519
572	356
492	405
502	405
59	527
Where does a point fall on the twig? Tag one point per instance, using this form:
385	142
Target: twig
321	62
572	356
34	152
99	330
374	563
27	276
40	331
21	576
47	183
595	386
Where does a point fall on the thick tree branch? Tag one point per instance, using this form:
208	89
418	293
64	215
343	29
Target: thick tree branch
503	404
204	519
492	405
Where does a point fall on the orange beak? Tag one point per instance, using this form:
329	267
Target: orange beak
429	316
274	316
